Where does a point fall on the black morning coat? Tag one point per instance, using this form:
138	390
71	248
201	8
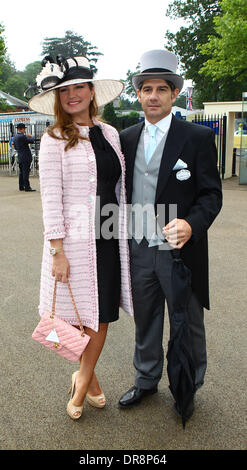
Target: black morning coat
21	142
198	198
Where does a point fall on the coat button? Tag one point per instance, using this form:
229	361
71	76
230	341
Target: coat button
91	158
92	179
146	174
84	132
91	197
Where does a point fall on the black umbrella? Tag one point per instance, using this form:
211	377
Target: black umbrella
180	365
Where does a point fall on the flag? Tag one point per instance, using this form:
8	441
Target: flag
189	99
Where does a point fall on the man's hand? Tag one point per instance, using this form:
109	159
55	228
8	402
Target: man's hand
177	232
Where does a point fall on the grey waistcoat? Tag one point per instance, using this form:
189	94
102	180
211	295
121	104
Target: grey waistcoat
144	190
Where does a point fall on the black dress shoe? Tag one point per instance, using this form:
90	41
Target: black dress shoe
134	396
30	189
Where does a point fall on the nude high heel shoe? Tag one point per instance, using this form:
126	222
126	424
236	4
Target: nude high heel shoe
98	401
73	411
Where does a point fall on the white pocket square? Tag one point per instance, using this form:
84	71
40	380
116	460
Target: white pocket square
180	165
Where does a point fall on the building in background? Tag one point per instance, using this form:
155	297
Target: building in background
13	102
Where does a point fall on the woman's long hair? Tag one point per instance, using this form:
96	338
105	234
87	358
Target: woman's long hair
64	124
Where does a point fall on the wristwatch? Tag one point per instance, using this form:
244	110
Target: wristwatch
54	251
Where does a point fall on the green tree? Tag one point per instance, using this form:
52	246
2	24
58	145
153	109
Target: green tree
181	100
226	50
198	16
129	89
15	86
71	45
31	71
12	81
2	44
126	103
109	114
136	105
7	69
188	43
130	101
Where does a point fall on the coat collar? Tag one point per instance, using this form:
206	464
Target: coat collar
132	137
173	148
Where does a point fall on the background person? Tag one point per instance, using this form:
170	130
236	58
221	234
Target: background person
181	169
11	150
80	158
21	144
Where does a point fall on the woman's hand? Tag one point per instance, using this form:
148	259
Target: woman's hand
60	267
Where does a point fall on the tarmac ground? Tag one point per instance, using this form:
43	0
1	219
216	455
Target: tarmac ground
34	381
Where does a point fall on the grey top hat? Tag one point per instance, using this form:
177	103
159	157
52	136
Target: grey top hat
158	63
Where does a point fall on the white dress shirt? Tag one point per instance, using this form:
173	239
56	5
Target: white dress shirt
163	128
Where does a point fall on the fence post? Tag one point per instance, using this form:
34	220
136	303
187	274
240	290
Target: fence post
224	147
219	144
234	162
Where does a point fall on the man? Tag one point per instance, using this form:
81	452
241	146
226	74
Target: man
182	171
21	144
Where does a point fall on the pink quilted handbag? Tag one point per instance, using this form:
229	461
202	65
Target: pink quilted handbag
60	336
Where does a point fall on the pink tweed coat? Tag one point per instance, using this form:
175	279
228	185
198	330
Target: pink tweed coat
68	183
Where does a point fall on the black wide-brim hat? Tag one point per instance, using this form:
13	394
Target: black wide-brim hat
158	63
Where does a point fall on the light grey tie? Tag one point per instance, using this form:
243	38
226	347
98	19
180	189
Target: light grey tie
152	142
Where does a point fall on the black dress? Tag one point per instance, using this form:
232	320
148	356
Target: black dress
108	259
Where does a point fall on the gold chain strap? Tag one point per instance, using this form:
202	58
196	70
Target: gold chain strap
73	302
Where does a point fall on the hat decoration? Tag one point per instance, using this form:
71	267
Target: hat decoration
50	75
55	73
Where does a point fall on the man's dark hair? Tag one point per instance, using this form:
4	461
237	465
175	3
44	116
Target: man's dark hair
171	85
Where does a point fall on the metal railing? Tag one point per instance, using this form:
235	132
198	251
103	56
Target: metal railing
218	124
8	155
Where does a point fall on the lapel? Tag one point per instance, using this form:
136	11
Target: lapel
173	148
133	140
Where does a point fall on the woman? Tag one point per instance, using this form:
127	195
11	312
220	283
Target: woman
80	159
